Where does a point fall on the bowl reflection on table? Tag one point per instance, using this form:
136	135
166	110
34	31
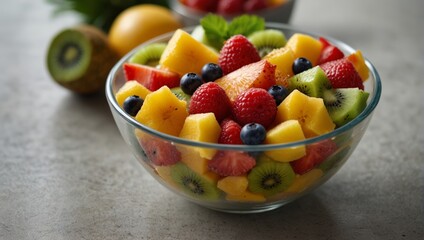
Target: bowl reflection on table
346	138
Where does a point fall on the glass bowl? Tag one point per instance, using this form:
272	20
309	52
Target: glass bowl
278	14
141	139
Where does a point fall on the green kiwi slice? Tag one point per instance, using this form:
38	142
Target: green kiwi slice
180	94
149	55
79	58
267	40
270	177
312	82
194	184
344	104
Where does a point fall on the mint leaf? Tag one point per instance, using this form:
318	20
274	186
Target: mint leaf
216	28
245	25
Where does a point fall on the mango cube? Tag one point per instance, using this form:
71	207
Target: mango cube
286	132
131	88
185	54
305	46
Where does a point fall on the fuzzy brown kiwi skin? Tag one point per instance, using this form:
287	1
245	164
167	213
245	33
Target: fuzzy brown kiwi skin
102	60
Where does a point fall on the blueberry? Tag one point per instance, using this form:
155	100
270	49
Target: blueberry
253	134
279	93
301	64
132	105
190	82
211	72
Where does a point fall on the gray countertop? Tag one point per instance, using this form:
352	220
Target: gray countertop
65	172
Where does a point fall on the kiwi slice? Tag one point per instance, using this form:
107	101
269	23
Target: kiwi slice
270	177
149	55
194	184
344	104
312	82
181	94
267	40
79	58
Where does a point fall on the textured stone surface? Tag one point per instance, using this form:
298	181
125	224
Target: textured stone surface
65	172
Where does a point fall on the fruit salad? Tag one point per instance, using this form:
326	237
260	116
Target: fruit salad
239	84
231	7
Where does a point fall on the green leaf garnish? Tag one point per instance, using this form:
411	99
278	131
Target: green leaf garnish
217	29
245	25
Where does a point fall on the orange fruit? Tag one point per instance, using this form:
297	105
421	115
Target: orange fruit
138	24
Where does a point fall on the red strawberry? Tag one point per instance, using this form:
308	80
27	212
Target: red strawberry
342	74
231	163
150	77
236	53
255	105
254	5
329	52
202	5
210	97
230	6
315	154
230	132
159	152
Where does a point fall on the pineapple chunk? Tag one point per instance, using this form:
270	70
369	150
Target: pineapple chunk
305	46
233	185
185	54
285	132
309	111
163	111
202	127
131	88
246	197
283	58
302	182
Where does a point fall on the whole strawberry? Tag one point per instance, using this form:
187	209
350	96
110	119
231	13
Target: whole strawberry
230	132
255	105
230	6
342	74
210	97
236	53
202	5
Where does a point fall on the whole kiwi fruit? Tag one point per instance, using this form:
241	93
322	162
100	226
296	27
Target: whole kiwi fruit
79	58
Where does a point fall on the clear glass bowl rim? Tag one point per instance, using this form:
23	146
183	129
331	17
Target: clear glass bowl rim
373	102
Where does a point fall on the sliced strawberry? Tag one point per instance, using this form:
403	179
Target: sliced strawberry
329	52
210	97
231	163
230	6
342	74
230	132
315	154
150	77
236	53
254	5
159	152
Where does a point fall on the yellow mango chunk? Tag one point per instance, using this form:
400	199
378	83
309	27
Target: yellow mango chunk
202	127
246	197
131	88
283	58
358	62
305	46
233	185
185	54
286	132
303	182
163	111
309	111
